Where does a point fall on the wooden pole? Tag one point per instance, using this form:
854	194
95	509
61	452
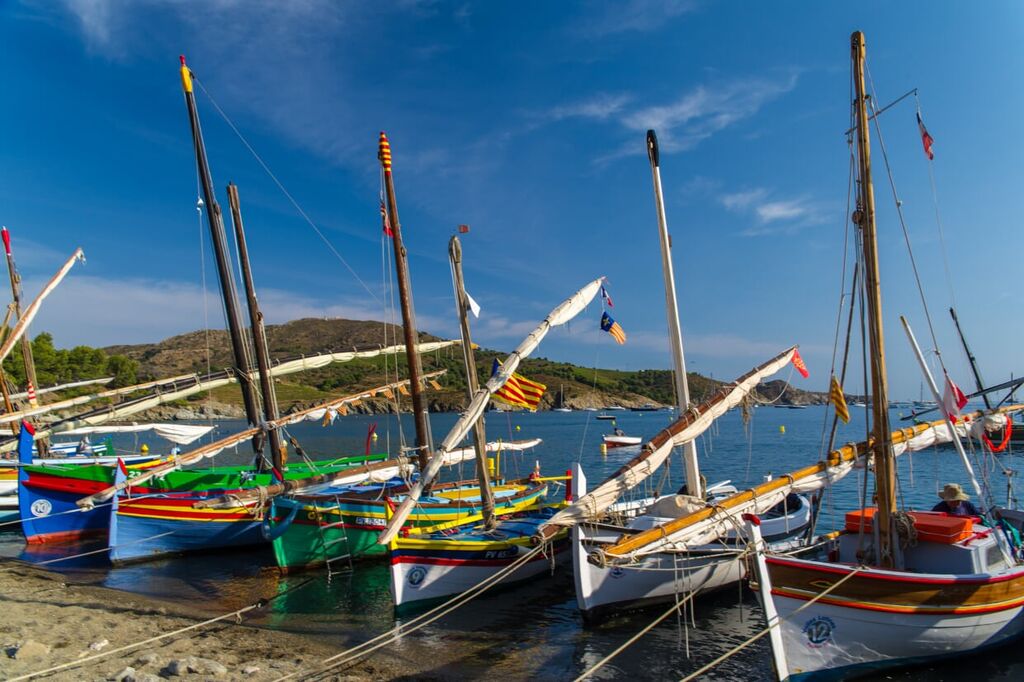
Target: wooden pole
279	454
243	370
26	344
694	485
885	466
424	441
472	383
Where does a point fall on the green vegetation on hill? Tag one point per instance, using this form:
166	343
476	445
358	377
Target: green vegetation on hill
59	366
567	384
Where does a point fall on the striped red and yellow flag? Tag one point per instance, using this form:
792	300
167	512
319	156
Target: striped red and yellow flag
838	400
384	153
519	391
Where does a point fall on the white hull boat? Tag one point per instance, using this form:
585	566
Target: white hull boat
622	441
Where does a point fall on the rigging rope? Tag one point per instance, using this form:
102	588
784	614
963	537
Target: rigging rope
281	187
938	218
352	654
743	645
903	226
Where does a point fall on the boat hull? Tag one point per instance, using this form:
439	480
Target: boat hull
46	503
427	569
880	619
320	530
147	529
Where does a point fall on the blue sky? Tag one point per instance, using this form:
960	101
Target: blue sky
525	121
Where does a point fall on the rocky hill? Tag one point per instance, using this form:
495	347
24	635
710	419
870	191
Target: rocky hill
568	385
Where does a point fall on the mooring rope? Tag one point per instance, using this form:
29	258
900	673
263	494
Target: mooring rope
394	634
676	606
743	645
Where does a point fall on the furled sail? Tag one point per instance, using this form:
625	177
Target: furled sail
709	523
218	446
195	384
180	434
564	312
690	425
63	387
245	497
26	318
85	399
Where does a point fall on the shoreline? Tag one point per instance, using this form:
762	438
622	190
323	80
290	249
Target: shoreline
48	621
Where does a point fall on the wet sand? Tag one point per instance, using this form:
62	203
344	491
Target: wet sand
46	622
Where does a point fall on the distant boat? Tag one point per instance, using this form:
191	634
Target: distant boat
606	416
616	407
590	409
622	441
561	400
646	407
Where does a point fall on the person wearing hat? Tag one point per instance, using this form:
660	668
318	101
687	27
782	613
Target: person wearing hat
955	502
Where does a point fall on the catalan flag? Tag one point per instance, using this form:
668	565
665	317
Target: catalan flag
612	327
838	400
518	390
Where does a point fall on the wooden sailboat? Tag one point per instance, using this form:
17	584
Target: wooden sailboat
321	522
430	565
660	576
883	600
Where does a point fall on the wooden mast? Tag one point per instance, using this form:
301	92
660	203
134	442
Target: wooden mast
479	431
243	369
694	484
424	441
259	335
885	466
26	344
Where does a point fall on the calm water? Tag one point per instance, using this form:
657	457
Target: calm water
534	631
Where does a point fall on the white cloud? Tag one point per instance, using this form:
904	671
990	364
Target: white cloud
632	16
600	107
773	215
741	200
98	311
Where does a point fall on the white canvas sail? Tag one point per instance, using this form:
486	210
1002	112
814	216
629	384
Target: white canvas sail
708	523
655	452
564	312
63	387
220	445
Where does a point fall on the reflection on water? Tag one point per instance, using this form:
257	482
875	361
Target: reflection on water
532	631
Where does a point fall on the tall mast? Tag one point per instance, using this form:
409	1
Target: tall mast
885	470
424	441
259	334
479	431
694	485
26	344
243	370
972	360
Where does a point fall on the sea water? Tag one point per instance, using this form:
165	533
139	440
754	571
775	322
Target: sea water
534	630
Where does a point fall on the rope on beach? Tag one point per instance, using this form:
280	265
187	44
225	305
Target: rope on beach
234	614
394	634
237	614
743	645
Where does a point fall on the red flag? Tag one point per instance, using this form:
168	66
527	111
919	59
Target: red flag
384	217
798	362
953	399
463	229
926	138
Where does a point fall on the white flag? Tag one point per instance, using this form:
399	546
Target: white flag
474	307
